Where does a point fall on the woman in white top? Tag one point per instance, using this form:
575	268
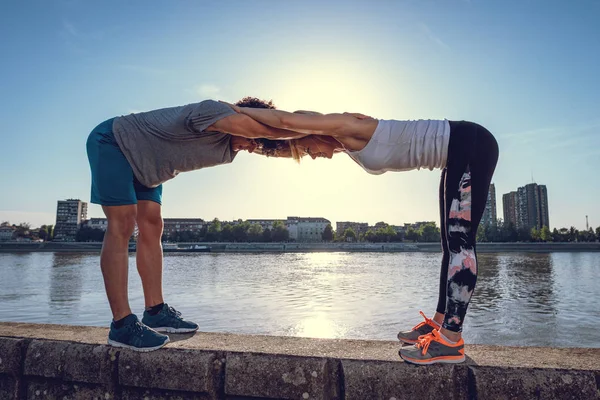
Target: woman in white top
466	152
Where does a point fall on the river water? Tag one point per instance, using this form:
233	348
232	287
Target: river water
521	299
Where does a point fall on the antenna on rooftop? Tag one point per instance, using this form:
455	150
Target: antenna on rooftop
587	226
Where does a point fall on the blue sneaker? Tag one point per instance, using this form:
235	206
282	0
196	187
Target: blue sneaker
169	320
136	336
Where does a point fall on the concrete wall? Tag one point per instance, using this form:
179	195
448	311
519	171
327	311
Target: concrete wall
69	362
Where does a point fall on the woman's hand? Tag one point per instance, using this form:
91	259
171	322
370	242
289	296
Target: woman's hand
233	106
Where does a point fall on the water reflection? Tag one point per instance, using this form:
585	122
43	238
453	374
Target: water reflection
66	276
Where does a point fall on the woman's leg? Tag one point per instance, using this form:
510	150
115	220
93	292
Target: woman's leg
472	157
467	184
441	306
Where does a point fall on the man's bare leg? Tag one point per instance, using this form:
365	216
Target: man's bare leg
114	257
149	256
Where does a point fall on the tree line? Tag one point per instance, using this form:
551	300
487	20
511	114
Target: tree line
244	231
25	231
507	232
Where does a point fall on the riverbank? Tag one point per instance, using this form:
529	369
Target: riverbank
13	247
61	361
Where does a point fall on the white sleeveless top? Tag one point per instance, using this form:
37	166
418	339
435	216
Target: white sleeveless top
405	145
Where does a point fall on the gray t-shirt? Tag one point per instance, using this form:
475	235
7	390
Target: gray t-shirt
162	143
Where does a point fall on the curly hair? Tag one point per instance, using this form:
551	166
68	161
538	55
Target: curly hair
254	102
266	147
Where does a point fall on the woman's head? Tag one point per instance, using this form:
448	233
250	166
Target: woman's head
314	146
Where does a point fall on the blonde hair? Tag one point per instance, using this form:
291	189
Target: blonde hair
296	153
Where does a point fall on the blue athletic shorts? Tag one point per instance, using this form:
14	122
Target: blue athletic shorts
113	182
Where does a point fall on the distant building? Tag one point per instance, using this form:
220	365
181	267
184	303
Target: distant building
306	229
172	225
510	208
544	215
266	223
69	216
7	232
527	207
96	223
489	216
360	228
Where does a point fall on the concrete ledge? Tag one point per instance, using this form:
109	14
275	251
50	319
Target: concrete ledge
56	362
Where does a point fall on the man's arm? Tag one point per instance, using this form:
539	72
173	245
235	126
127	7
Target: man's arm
244	126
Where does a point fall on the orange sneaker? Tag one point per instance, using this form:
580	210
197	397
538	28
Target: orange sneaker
433	348
425	327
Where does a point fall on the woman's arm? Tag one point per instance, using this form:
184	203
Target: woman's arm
245	126
315	124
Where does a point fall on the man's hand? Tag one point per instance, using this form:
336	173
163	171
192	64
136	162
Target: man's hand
233	106
358	115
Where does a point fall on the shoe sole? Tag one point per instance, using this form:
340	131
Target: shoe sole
174	330
449	360
141	349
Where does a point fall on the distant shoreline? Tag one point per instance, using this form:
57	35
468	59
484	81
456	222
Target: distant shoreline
220	247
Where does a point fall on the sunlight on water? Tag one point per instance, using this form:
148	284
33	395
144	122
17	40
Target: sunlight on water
520	299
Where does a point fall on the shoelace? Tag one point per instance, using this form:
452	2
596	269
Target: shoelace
428	321
137	327
425	340
173	312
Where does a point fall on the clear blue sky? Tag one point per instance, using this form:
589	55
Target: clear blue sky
527	70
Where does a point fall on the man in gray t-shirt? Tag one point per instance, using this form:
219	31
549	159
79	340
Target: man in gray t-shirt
130	157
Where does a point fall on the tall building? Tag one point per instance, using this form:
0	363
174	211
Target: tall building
510	207
489	213
527	207
69	216
544	216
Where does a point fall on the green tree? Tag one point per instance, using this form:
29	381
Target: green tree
573	234
280	232
429	232
255	233
535	234
545	234
327	234
87	234
555	235
23	230
214	231
227	233
349	235
370	236
50	232
481	236
43	232
240	231
411	234
598	233
266	236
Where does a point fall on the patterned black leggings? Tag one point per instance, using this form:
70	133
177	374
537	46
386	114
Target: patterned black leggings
472	158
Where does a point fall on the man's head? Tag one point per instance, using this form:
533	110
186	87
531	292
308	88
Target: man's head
254	102
266	147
